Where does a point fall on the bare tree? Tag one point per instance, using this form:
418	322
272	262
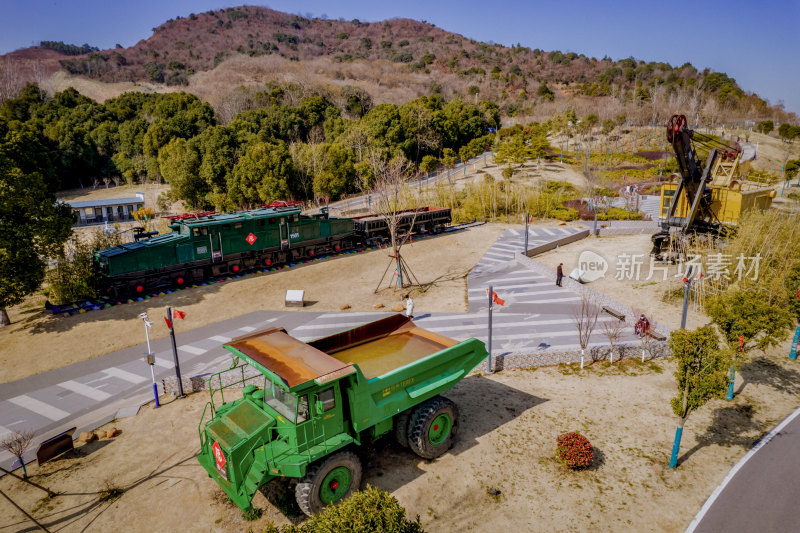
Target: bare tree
10	80
116	180
613	330
107	181
16	444
95	183
387	186
585	319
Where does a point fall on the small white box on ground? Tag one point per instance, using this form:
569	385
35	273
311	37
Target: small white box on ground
294	298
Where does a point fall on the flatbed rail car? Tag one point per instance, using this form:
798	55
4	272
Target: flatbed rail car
374	228
208	246
305	407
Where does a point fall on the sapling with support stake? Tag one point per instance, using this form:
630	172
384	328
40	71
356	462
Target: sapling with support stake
701	375
585	319
747	321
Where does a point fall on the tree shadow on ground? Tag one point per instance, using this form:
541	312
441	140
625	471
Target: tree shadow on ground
764	371
730	426
107	497
484	405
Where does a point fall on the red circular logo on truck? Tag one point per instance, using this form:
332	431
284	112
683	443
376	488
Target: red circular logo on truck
219	458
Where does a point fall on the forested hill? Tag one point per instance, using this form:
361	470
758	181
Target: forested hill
515	77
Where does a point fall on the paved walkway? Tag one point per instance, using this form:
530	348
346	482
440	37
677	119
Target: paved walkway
537	315
761	493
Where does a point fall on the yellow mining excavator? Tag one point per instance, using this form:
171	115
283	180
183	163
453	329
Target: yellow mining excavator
707	199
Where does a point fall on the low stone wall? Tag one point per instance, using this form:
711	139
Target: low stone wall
556	357
552	245
230	379
624	227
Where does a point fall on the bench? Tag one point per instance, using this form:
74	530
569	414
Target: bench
652	334
614	313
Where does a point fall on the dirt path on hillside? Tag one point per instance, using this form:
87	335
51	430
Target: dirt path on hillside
441	262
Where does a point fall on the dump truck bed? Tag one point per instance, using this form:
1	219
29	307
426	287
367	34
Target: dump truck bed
382	346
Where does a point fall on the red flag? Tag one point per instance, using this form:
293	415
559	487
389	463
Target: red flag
495	298
178	314
169	324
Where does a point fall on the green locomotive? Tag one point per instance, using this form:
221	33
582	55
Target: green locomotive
221	244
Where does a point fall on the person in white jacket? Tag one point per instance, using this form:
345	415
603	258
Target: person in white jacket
409	307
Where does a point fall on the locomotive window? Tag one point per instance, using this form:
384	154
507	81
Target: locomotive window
238	225
226	227
200	231
273	220
261	222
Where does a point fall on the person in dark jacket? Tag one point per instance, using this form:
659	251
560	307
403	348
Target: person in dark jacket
559	273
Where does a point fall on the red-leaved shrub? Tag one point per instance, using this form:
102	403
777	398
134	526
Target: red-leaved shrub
575	450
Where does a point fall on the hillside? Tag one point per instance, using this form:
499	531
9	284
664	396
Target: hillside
417	54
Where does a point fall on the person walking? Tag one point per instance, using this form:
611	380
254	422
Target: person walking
559	273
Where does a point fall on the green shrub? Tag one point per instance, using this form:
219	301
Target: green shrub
574	450
367	511
565	214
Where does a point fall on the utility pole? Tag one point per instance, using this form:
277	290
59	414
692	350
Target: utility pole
171	324
150	357
489	358
687	285
526	233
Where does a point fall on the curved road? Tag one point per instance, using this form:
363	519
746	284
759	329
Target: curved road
762	492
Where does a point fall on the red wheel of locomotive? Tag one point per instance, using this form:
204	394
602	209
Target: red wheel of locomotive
236	268
180	281
311	253
139	288
337	248
268	262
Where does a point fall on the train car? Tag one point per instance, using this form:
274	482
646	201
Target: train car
215	245
373	228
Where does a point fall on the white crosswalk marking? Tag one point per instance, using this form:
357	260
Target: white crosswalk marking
247	329
192	349
85	390
219	338
164	362
3	432
39	407
330	325
124	375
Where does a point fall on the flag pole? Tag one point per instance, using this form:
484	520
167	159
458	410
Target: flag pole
171	324
489	358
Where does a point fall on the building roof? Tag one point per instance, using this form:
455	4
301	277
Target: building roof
105	203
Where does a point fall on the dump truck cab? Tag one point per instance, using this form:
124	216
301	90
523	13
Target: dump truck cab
287	408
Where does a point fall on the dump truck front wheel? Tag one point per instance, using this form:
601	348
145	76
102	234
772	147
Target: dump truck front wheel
401	428
328	482
432	427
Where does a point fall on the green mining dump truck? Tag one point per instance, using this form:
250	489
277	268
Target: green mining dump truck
305	406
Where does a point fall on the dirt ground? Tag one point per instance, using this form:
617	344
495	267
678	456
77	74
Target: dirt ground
529	173
441	262
641	294
501	475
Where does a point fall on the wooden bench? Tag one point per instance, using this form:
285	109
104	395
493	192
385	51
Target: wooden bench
655	336
614	313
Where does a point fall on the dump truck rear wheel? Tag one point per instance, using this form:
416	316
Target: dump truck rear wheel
328	482
401	428
432	427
